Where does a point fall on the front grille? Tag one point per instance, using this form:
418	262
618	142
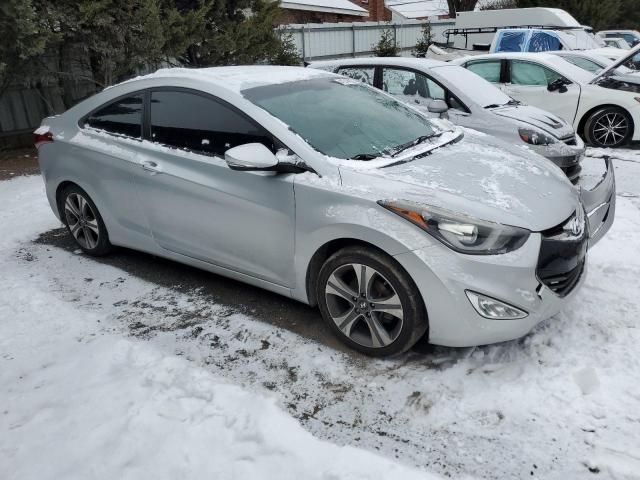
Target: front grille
572	172
562	255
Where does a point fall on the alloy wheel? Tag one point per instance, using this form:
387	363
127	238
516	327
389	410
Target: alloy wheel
610	129
364	305
82	221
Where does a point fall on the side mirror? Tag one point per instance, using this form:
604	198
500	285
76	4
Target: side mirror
251	156
559	85
438	106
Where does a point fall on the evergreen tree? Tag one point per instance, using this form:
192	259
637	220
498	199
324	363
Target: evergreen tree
423	43
386	46
460	6
23	40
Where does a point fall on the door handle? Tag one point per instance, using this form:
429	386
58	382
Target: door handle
151	166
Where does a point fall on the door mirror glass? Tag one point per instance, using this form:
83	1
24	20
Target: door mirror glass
251	156
438	106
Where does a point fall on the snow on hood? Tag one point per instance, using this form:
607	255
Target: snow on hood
538	118
481	177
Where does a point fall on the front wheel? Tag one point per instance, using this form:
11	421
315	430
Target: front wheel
608	128
370	302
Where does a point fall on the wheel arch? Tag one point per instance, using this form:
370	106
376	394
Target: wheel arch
583	120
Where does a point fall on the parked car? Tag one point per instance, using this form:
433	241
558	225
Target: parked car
471	102
605	112
328	191
631	36
616	42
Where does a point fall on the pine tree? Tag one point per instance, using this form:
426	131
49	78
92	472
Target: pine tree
386	46
424	42
23	40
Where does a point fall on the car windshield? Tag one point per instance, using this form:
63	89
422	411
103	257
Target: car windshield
343	118
474	86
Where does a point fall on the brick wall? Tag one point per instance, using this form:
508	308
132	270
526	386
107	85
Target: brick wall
376	8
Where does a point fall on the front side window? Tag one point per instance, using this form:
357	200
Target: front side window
532	74
489	70
396	81
362	74
349	120
122	117
200	124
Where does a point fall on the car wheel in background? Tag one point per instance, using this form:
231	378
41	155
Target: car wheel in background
82	219
370	302
608	127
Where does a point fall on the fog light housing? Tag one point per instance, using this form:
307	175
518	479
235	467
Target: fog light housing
494	309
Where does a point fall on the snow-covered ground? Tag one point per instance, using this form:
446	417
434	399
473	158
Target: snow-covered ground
106	375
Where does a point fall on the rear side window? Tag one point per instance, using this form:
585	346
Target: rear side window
489	70
122	117
200	124
363	74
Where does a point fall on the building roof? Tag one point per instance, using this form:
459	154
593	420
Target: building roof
341	7
418	8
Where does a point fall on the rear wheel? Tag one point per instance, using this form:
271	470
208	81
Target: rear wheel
83	221
608	128
370	302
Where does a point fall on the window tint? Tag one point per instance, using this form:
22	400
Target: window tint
363	74
525	73
193	122
122	117
489	70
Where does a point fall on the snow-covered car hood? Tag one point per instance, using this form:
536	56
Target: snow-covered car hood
537	118
479	176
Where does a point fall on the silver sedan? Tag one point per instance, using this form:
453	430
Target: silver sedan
328	191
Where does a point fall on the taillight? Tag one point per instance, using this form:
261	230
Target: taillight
40	138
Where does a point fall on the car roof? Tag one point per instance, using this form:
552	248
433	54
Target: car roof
408	62
236	78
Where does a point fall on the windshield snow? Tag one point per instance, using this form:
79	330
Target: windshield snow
343	118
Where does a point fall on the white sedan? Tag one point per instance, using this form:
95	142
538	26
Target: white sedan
605	110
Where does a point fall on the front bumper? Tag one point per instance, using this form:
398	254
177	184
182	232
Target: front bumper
509	278
598	194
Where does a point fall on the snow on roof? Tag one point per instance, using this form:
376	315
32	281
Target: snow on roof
239	78
419	8
343	7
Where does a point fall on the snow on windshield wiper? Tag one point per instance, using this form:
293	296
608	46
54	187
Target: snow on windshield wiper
401	148
364	156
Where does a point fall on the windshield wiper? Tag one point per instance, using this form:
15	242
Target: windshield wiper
406	146
364	156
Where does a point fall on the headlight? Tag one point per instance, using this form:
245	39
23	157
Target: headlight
459	232
536	137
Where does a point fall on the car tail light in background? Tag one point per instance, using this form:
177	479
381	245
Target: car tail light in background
42	136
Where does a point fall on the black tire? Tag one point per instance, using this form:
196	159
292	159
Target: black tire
389	279
89	231
608	127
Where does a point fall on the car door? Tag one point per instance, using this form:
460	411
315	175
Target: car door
529	83
196	205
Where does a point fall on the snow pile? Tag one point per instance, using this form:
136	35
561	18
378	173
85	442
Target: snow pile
78	402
